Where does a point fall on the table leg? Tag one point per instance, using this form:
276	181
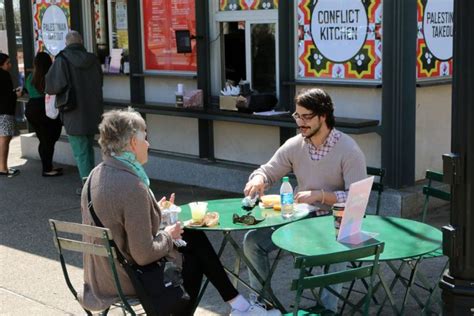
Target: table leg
434	289
265	289
405	282
388	293
410	284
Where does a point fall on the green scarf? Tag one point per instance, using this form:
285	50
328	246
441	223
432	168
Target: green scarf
130	160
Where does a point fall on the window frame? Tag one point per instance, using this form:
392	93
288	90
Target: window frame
250	17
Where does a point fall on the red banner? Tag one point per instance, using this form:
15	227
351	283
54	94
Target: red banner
161	18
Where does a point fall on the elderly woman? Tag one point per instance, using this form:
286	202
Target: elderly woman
125	204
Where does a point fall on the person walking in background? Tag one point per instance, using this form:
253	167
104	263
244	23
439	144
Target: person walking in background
47	130
77	74
8	97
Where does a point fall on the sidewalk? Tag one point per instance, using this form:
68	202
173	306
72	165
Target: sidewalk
31	281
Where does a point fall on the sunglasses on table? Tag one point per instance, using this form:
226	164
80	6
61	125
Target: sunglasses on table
246	219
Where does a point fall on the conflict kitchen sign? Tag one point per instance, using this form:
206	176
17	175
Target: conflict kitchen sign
50	24
435	39
339	39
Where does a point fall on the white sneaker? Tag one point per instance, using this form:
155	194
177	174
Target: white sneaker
256	309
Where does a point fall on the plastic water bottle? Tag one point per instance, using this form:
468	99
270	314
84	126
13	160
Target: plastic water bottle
286	198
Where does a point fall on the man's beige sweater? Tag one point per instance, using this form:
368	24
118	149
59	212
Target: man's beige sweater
343	165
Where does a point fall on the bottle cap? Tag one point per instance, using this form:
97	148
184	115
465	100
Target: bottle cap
284	179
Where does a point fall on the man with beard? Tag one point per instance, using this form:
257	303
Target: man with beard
325	162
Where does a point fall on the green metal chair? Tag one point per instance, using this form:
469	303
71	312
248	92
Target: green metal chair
377	186
103	249
430	192
307	281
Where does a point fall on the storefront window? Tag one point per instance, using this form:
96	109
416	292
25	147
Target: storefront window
111	34
263	57
248	47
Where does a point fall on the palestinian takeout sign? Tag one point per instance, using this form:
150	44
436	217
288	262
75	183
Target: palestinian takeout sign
340	39
435	38
51	25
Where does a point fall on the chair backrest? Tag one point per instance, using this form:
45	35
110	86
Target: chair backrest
103	249
378	185
308	281
430	191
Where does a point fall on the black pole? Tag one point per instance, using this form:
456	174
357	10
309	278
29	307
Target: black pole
458	238
399	92
27	35
11	39
205	127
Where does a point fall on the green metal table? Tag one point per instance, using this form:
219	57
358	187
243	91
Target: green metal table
226	208
403	239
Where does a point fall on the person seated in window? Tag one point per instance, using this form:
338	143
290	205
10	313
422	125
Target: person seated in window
123	201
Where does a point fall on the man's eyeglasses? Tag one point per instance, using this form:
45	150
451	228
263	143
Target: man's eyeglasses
246	219
304	117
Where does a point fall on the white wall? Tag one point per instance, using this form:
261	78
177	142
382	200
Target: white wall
161	89
116	88
433	128
245	143
360	102
370	144
175	134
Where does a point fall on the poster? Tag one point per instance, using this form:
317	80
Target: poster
51	20
339	39
234	5
435	39
160	20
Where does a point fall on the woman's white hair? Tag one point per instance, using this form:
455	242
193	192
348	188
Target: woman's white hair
117	129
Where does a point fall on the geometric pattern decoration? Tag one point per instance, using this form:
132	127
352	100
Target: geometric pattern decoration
365	64
427	65
38	9
239	5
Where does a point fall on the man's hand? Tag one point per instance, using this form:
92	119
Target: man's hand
309	197
255	186
175	230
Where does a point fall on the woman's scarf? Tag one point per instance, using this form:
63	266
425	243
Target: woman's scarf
130	160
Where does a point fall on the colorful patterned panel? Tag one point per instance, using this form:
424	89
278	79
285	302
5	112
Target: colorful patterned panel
339	39
435	39
235	5
39	8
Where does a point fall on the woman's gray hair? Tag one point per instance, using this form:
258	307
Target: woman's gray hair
117	128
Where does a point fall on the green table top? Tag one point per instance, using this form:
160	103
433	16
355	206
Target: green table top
403	238
227	207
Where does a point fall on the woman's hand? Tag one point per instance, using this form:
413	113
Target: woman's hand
309	197
163	203
175	230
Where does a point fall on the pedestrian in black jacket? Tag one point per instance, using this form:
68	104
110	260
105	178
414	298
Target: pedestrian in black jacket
76	79
8	97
